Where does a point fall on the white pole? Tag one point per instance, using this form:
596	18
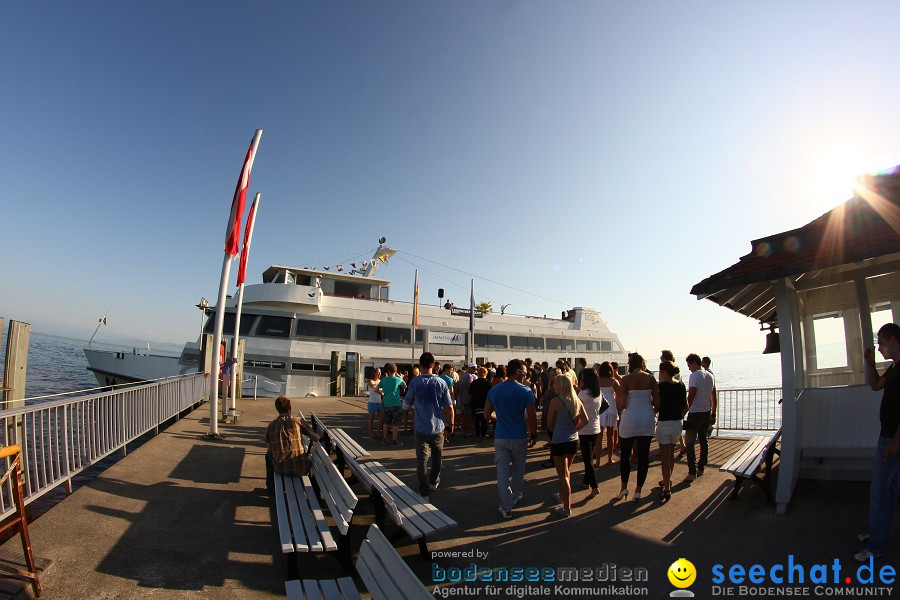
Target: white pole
251	219
217	343
232	404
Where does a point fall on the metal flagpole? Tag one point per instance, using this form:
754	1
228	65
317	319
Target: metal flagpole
245	255
231	238
471	343
415	318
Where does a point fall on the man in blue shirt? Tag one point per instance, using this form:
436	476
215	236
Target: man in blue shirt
430	397
512	404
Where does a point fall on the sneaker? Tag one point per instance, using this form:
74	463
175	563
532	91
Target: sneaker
562	511
864	537
517	500
435	485
556	497
506	514
396	443
699	472
424	493
865	554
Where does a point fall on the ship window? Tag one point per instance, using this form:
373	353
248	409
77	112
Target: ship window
302	279
554	344
323	329
278	365
302	366
486	340
247	321
374	333
352	289
274	326
606	346
420	335
517	342
326	368
582	344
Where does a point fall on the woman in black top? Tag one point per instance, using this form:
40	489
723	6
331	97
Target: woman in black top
672	406
478	391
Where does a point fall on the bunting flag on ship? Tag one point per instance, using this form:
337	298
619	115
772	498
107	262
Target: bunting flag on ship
340	267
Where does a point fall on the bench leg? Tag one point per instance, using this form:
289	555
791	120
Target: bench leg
423	549
292	570
344	552
341	462
738	481
380	510
766	486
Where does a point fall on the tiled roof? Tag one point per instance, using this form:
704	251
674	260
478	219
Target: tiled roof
866	226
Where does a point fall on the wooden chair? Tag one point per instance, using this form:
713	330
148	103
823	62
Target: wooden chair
19	521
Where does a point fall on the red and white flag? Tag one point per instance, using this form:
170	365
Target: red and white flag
248	235
233	231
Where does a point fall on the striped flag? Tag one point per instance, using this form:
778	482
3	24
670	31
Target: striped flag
416	302
248	234
233	231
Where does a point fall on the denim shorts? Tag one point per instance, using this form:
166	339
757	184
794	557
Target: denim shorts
376	407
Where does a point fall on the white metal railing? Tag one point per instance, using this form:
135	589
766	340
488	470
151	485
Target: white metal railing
62	438
748	409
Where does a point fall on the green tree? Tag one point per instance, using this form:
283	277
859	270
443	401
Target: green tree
484	307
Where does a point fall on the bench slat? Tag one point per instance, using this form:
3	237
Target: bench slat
321	524
436	519
380	557
413	524
293	590
311	589
284	525
348	588
747	452
338	496
347	443
305	536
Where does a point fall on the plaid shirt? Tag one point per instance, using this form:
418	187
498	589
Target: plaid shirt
284	443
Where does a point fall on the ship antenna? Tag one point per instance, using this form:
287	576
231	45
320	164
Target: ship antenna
99	324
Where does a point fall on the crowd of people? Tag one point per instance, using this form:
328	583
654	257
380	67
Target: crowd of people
502	402
435	402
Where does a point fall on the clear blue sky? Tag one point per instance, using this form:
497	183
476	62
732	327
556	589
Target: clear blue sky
607	154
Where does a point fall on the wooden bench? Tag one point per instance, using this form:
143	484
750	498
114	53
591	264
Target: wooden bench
383	571
301	522
338	441
412	513
747	461
334	490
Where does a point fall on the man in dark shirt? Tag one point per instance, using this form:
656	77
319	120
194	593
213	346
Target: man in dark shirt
885	491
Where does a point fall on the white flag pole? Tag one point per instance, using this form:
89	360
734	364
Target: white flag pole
470	345
251	220
415	317
220	305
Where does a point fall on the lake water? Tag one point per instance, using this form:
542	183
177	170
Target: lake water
57	365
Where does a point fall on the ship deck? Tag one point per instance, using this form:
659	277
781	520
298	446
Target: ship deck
181	516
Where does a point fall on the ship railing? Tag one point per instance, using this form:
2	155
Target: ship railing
62	438
748	410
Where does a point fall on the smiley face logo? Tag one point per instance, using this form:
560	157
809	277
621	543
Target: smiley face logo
682	573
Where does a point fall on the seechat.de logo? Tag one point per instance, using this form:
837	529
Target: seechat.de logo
682	574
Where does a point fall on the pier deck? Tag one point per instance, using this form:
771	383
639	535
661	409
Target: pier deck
181	516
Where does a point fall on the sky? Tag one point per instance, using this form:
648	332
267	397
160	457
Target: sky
603	154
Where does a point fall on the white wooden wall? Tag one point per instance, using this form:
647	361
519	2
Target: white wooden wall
838	417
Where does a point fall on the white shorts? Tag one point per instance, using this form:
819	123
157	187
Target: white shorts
668	432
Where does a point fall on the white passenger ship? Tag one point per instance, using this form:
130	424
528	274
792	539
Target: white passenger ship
294	320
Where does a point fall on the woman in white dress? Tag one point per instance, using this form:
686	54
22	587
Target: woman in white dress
609	419
375	404
638	399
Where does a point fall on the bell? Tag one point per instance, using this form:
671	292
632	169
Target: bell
773	343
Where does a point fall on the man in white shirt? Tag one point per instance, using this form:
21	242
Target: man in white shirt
702	403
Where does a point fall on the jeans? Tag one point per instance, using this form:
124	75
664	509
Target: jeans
643	456
700	425
425	443
883	497
509	457
481	427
